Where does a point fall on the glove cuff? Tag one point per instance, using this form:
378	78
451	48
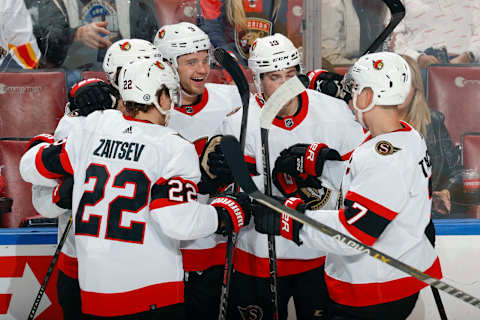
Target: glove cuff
45	137
289	228
311	156
236	216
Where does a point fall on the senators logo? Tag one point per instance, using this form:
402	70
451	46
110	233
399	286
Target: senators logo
161	34
385	148
378	64
251	312
125	46
159	65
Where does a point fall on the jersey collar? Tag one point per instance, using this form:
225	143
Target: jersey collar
191	110
291	122
138	120
405	127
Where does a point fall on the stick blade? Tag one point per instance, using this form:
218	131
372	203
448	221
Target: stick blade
233	153
286	92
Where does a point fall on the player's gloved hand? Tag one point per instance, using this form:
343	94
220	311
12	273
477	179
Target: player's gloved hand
40	138
63	192
91	95
234	211
329	83
215	171
268	221
305	159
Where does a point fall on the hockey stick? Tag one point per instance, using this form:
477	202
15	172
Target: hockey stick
42	289
242	177
232	67
289	90
397	11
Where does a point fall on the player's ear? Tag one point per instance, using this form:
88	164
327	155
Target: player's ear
365	98
164	99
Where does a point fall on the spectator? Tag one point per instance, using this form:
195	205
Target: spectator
446	163
432	29
235	24
349	27
18	47
76	33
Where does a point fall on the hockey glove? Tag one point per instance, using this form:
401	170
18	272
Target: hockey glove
234	212
62	193
329	83
305	159
268	221
40	138
91	95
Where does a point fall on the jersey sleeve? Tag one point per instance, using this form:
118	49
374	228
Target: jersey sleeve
174	204
43	204
375	197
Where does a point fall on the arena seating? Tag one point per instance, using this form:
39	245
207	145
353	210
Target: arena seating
32	102
16	188
454	90
95	74
174	11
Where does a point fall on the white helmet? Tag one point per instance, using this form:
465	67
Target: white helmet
175	40
272	53
123	51
140	81
386	73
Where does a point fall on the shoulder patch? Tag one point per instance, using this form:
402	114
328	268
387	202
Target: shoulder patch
233	111
385	148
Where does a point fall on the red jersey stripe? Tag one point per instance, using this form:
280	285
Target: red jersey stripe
371	205
68	265
202	259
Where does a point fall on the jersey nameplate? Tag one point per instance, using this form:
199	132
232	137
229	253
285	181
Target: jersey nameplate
385	148
116	149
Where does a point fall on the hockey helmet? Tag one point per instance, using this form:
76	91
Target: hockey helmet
123	51
175	40
140	81
272	53
387	74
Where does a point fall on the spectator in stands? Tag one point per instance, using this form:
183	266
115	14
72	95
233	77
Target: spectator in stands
445	158
235	24
76	33
437	31
18	47
349	27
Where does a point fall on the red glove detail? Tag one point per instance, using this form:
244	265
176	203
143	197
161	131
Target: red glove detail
286	222
311	156
237	216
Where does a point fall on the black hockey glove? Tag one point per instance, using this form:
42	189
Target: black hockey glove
234	212
215	171
268	221
305	159
91	95
329	83
62	194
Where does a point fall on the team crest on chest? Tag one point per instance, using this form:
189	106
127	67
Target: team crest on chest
251	312
385	148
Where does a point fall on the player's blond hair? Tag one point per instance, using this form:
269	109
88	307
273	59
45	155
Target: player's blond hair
418	114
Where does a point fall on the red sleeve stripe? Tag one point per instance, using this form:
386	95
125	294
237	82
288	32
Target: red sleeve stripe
65	161
357	233
249	159
41	167
371	205
162	203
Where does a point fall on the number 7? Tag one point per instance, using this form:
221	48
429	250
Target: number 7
360	214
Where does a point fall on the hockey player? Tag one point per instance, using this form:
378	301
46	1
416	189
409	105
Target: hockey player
204	107
308	118
54	199
387	202
133	202
85	97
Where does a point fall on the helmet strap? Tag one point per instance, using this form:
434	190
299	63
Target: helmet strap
362	111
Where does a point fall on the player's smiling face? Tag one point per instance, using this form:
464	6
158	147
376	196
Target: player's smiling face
273	80
193	70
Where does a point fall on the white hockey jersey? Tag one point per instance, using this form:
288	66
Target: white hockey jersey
132	204
321	119
387	205
197	123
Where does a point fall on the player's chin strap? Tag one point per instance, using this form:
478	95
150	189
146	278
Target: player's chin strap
362	111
